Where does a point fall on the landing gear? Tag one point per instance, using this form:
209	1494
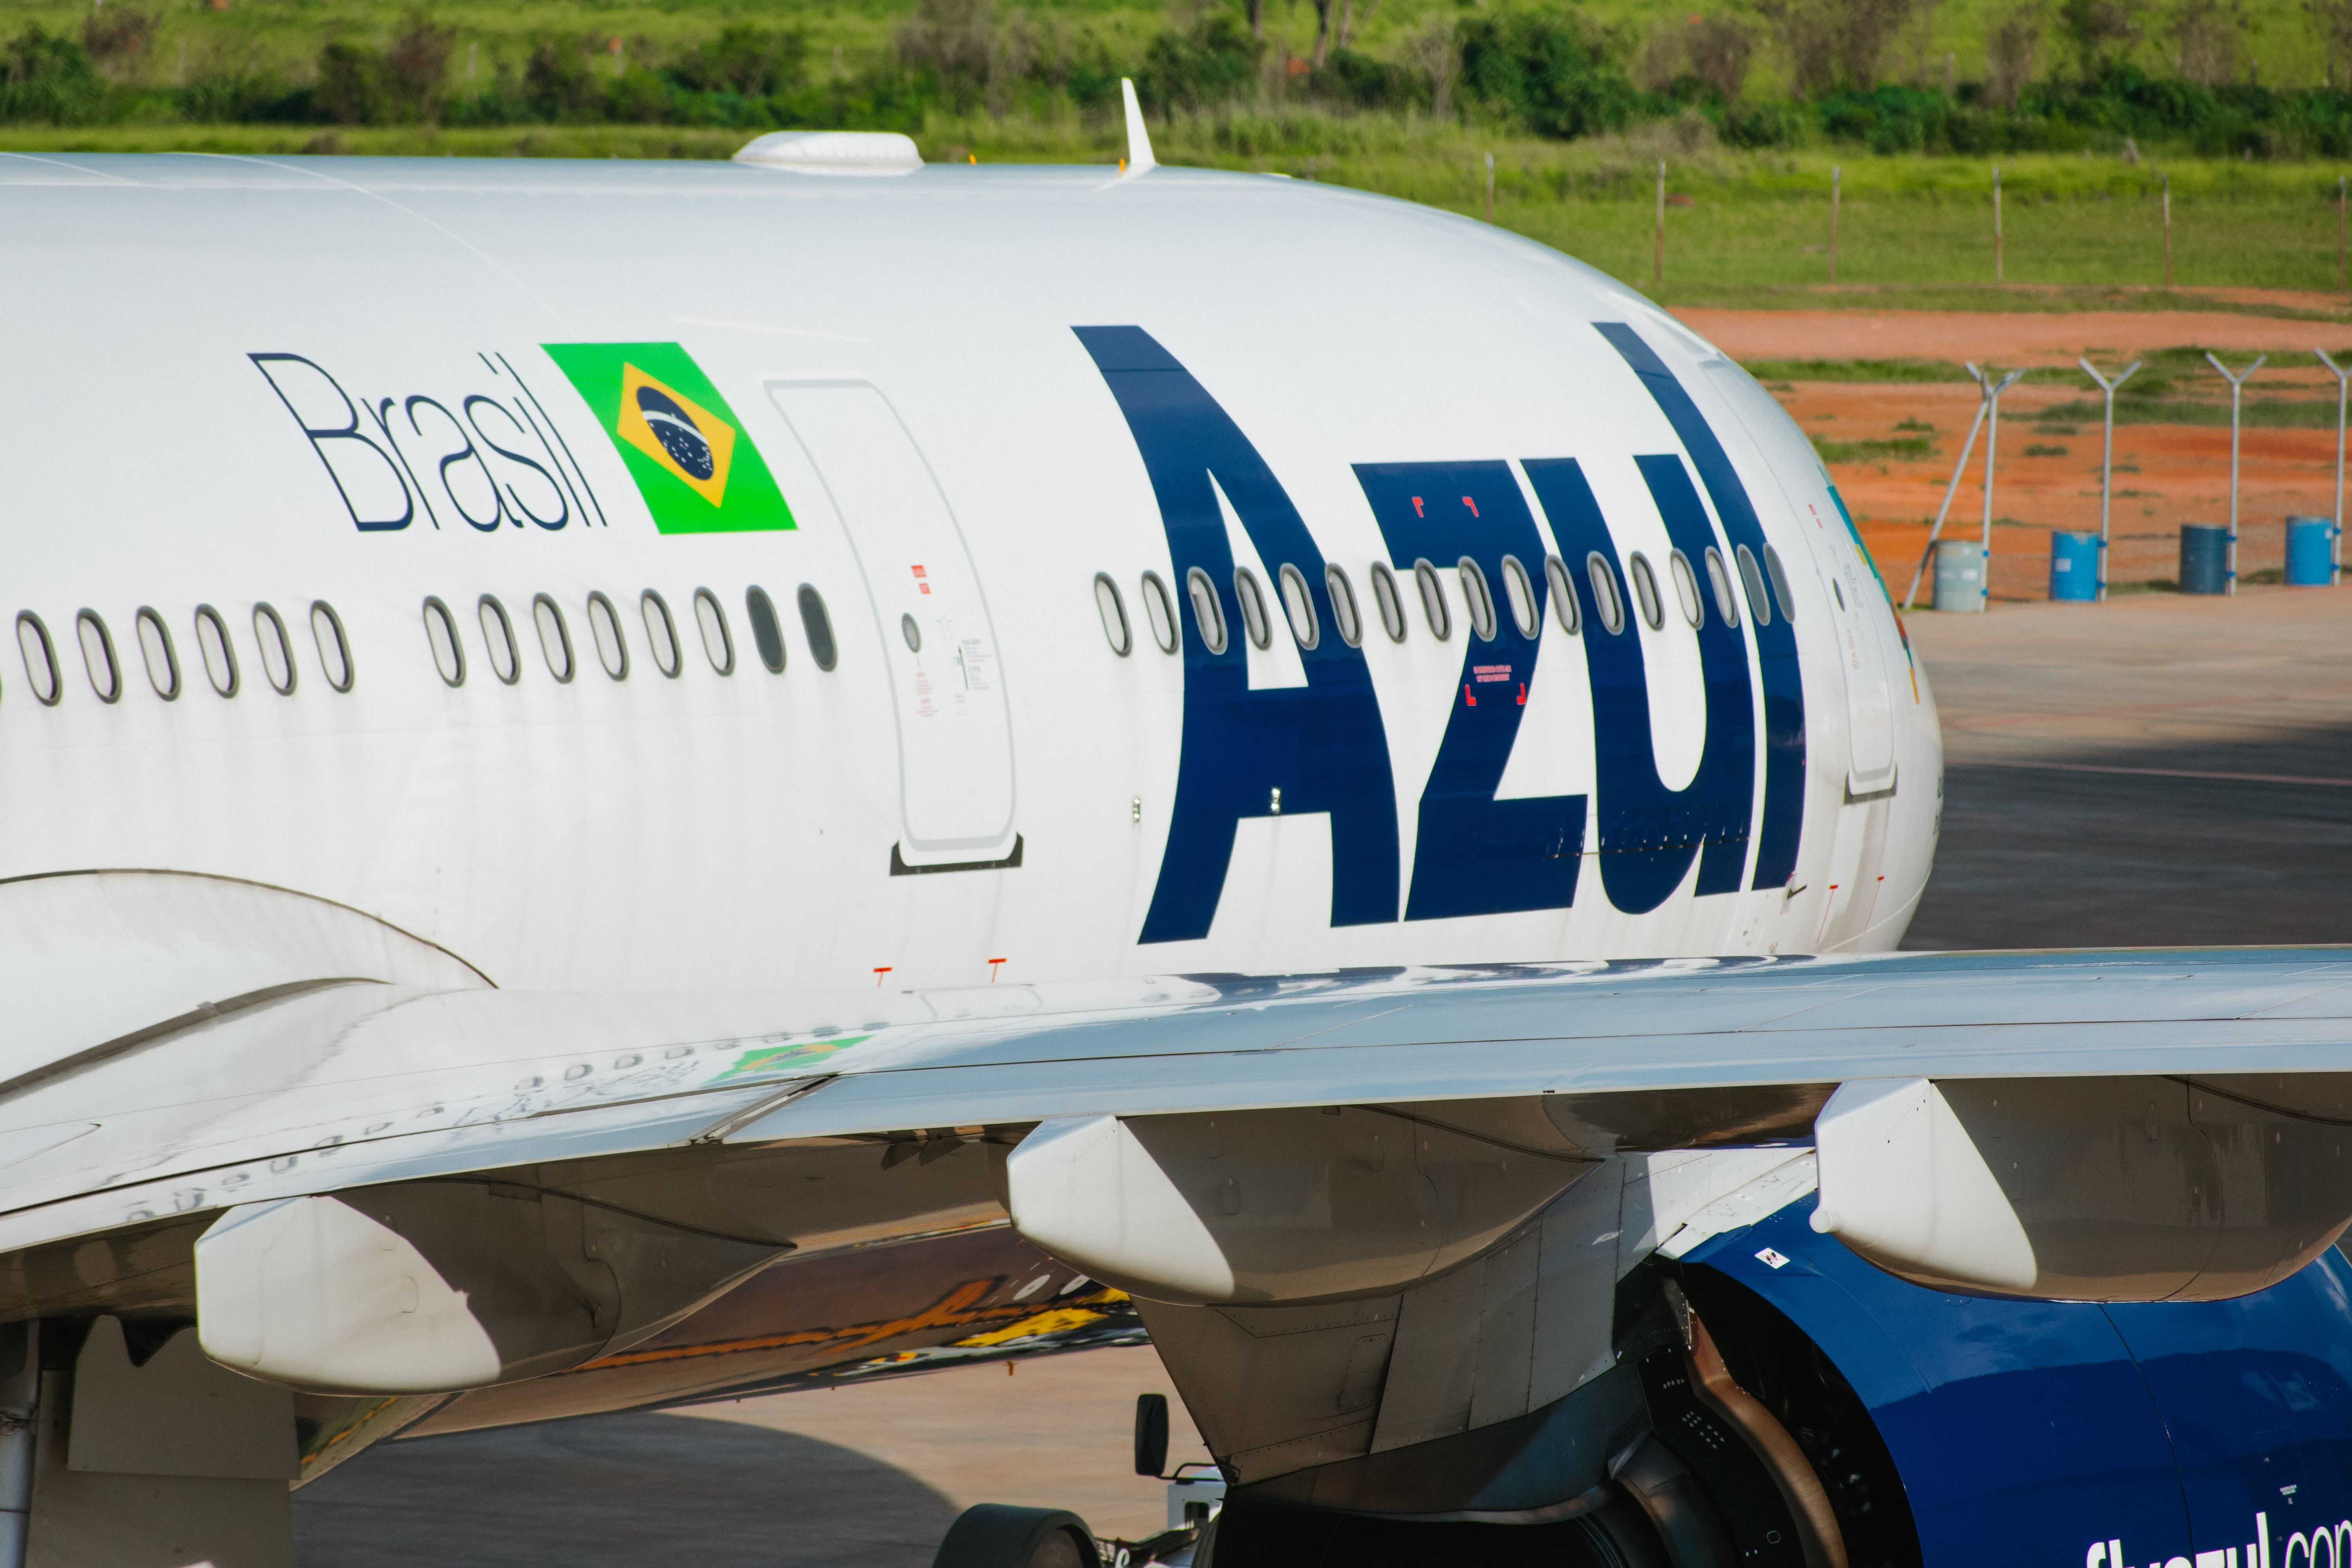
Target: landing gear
998	1535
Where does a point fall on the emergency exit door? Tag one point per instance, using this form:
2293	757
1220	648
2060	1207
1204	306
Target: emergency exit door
947	687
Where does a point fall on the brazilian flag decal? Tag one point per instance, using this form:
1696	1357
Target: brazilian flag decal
682	443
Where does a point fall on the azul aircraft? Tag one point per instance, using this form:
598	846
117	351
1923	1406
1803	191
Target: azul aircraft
621	784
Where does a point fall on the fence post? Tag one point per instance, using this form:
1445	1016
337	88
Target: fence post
2237	395
1836	178
2106	461
1936	530
2335	541
1658	251
2168	231
1993	389
1996	223
1490	187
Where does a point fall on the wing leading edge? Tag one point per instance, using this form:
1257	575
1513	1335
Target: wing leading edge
2191	1103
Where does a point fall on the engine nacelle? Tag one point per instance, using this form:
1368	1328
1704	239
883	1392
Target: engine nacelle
1775	1399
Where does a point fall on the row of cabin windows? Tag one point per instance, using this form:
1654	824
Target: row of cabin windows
502	649
1764	588
159	653
216	648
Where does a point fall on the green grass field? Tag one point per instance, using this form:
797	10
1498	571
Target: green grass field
1755	234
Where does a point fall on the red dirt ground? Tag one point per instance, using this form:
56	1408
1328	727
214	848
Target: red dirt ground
2007	338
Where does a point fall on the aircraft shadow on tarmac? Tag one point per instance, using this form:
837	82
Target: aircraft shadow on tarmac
615	1490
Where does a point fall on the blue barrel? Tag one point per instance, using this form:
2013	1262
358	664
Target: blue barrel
2073	565
1959	576
2204	558
2310	551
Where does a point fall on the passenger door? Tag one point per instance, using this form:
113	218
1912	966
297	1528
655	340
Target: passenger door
955	738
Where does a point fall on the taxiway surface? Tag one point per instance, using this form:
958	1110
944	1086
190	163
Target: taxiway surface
2155	771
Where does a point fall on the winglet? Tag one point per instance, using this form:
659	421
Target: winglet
1139	160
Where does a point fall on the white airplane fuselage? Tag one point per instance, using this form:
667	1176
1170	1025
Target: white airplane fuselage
239	384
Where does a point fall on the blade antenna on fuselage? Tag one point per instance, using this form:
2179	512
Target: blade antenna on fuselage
1139	160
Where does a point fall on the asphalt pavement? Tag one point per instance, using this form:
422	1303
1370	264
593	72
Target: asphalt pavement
2157	771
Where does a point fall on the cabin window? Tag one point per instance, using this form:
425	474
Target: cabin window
1160	611
1298	606
554	636
1521	594
605	630
1255	620
40	658
717	645
1780	596
155	649
911	631
1433	600
817	626
448	653
497	637
1645	592
1208	613
334	649
214	649
661	634
1388	601
1477	598
1718	581
277	651
1760	603
97	656
1678	567
1346	618
766	637
1563	594
1113	611
1606	602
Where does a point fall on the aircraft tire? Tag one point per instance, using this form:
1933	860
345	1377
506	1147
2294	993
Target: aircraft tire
1000	1535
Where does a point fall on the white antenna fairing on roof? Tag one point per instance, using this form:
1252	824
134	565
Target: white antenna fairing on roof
834	151
1139	160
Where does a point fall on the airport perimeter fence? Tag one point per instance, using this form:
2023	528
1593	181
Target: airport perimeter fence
1963	568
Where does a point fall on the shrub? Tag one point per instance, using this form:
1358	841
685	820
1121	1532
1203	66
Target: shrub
1211	62
1553	73
417	68
1364	81
746	62
557	84
43	77
351	89
118	36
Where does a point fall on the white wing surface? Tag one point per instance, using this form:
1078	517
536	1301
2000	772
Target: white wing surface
334	1082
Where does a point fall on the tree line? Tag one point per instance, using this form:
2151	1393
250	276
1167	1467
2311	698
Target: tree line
2056	75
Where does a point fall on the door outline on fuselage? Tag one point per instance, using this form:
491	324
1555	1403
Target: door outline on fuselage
906	670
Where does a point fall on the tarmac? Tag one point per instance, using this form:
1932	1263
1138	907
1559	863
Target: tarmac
2153	771
861	1477
2157	771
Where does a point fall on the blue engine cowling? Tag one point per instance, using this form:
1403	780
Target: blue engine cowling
2206	1434
1775	1402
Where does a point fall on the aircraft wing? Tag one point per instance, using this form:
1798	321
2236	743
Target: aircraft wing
2126	1083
